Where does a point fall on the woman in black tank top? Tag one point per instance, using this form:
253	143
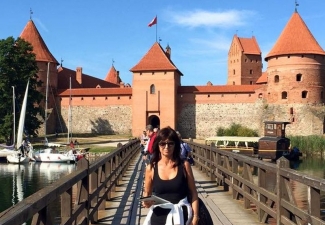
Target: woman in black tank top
171	179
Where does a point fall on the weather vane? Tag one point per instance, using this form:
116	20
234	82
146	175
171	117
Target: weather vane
30	13
159	39
113	62
61	62
296	5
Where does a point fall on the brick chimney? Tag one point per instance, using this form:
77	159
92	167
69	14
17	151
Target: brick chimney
79	75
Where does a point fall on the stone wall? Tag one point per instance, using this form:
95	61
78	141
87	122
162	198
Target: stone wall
202	120
112	119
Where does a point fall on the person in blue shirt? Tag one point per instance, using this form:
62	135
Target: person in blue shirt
185	148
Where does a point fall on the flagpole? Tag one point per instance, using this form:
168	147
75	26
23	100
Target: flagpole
156	27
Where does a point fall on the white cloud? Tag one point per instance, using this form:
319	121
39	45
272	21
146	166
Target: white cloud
203	18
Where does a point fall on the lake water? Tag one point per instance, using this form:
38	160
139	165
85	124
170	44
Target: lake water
19	181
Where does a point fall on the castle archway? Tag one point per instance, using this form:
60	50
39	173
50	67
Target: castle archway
154	121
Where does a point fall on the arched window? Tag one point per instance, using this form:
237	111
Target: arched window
152	89
304	94
299	77
284	95
276	79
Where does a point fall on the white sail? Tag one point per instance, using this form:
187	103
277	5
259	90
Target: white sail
21	124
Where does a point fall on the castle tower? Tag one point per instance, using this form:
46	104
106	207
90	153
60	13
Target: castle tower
244	61
45	62
113	76
155	82
296	66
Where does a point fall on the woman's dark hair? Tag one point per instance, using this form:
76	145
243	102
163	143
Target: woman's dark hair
166	133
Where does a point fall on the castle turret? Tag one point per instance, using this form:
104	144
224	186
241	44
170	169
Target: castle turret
296	66
154	92
43	55
113	76
47	64
244	61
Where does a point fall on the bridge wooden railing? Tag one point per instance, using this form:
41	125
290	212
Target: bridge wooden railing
250	179
91	183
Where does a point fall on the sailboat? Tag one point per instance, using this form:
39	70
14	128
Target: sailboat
17	156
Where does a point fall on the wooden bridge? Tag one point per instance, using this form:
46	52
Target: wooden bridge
234	188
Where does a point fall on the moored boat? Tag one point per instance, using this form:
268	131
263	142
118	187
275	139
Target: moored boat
53	155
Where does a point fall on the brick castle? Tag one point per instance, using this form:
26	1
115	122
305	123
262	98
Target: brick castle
290	89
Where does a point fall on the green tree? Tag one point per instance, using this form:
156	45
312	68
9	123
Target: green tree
17	66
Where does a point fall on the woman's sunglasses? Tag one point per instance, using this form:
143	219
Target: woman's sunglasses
168	143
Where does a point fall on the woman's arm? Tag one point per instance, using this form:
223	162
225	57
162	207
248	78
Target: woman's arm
193	192
148	185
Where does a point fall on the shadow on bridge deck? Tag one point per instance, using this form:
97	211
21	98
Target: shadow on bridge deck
124	208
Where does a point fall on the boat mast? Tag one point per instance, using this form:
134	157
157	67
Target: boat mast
69	114
14	113
46	99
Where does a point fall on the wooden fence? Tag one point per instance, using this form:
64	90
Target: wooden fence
93	184
249	180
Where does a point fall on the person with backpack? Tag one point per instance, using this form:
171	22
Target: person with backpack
186	151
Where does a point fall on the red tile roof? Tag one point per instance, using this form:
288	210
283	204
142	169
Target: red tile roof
113	76
249	45
295	38
155	59
219	89
95	92
64	75
262	79
31	35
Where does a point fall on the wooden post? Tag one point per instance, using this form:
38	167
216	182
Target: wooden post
66	205
235	182
83	193
260	197
281	190
213	164
93	187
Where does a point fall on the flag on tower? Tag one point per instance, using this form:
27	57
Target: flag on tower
153	22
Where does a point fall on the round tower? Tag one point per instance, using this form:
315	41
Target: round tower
47	73
296	66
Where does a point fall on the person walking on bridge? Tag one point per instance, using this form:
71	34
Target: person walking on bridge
172	179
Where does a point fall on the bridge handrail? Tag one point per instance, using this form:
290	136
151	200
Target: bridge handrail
248	178
94	182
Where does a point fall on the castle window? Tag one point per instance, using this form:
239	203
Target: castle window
153	73
222	95
106	98
250	71
249	95
140	73
256	60
260	95
234	72
208	96
130	97
233	83
284	95
118	97
298	77
304	94
251	82
94	98
276	79
321	94
302	56
165	72
288	56
152	89
82	98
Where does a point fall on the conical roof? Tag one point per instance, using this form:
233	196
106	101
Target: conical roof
295	38
31	34
113	76
155	59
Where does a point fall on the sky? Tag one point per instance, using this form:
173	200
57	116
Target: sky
96	34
